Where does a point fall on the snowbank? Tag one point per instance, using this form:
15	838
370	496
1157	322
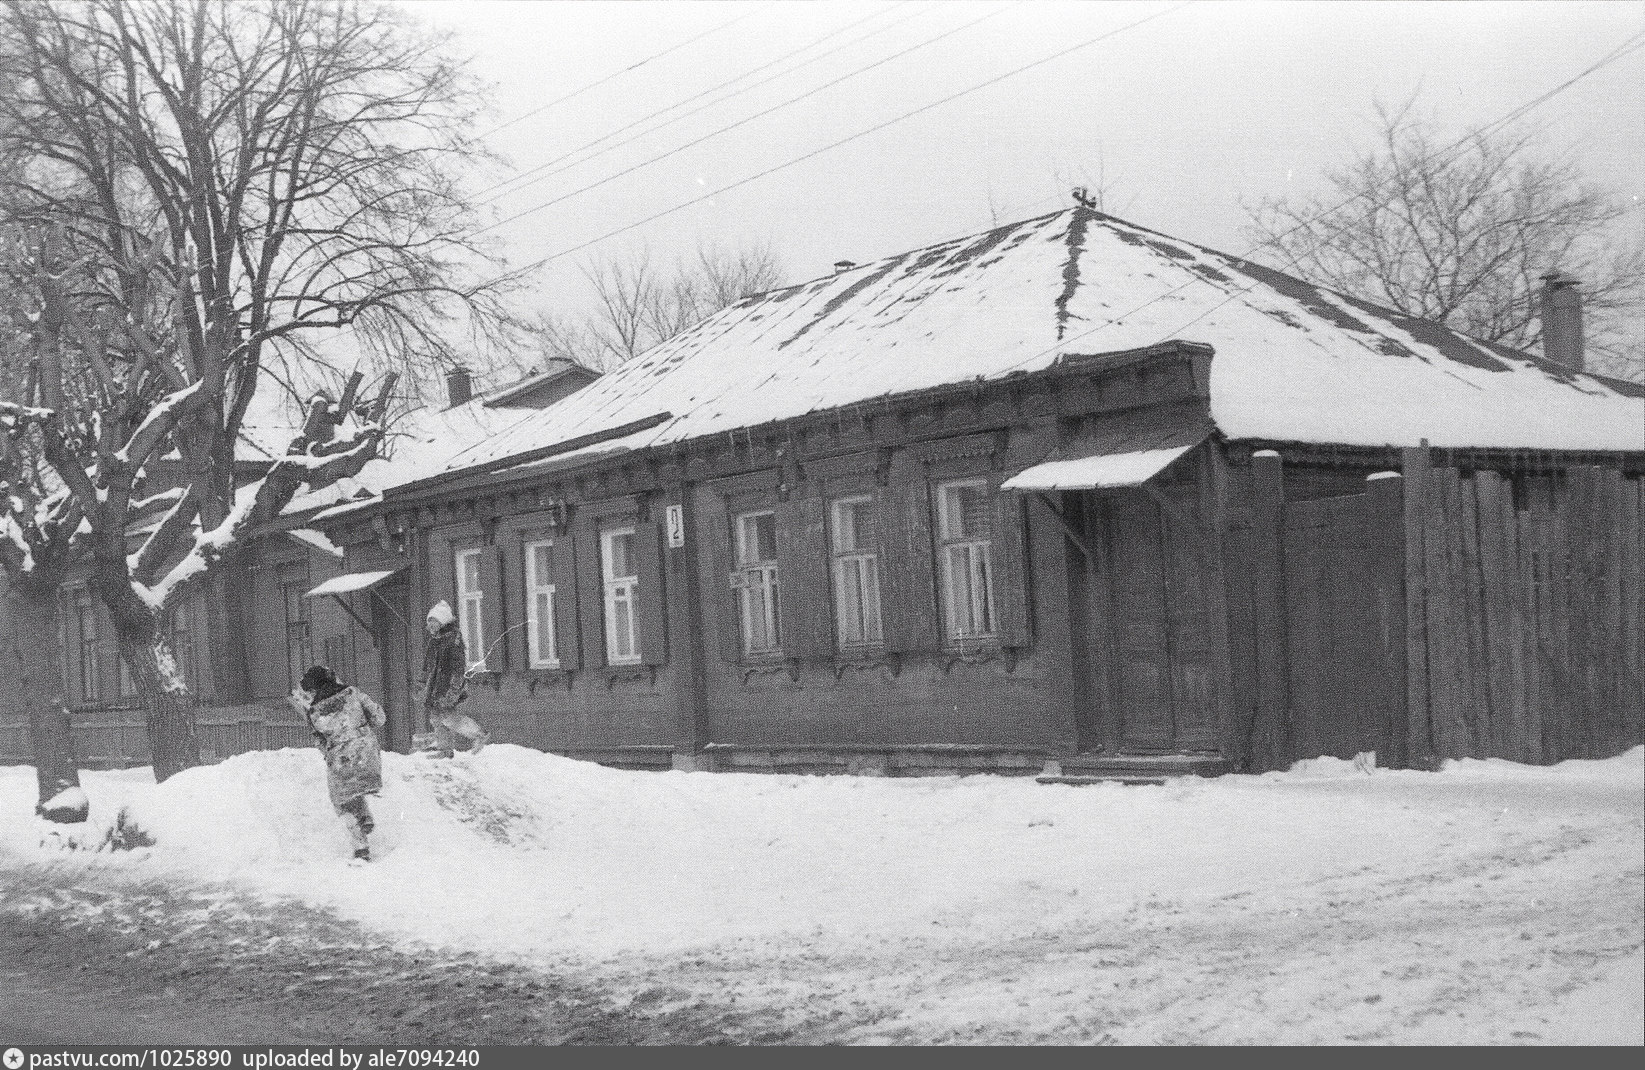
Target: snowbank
522	853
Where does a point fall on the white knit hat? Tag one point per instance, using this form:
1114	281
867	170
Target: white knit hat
442	613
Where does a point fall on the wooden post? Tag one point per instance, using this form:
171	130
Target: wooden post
1269	731
685	581
1419	742
1386	491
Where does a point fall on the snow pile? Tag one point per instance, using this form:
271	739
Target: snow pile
534	857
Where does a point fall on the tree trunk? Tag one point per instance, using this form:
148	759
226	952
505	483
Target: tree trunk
168	703
39	676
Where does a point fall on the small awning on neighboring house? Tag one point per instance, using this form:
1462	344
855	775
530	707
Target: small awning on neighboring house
350	582
1127	455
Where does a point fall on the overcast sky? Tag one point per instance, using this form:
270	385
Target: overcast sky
1179	118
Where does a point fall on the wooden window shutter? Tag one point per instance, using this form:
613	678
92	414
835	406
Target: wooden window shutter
442	578
512	580
567	597
912	620
717	541
491	611
652	609
803	603
1011	594
591	592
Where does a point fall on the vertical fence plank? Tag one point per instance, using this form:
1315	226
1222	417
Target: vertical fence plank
1612	625
1470	594
1528	598
1418	742
1386	518
1268	730
1448	671
1504	677
1631	581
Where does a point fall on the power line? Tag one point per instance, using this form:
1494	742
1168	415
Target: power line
1088	42
1628	47
680	104
743	122
617	74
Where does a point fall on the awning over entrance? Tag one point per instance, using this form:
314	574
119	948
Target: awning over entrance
350	582
1124	456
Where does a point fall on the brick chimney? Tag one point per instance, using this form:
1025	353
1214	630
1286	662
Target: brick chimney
842	266
1562	321
459	386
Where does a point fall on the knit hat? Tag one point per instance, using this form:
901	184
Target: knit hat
441	613
321	681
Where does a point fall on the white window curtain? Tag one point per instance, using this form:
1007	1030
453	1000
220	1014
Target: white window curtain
965	526
470	607
539	606
856	568
622	584
756	579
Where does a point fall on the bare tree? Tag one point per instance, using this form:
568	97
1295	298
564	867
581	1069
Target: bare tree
637	304
202	189
1462	234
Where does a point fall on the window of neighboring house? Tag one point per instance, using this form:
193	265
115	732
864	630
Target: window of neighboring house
756	543
539	605
299	643
91	668
470	607
622	582
965	567
181	635
856	572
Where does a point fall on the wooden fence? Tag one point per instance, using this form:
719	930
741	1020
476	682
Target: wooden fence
1439	614
117	738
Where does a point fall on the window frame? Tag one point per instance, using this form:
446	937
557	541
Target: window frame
301	628
540	585
867	589
618	591
473	631
756	574
977	555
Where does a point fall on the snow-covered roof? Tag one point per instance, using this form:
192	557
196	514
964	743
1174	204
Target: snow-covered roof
1293	362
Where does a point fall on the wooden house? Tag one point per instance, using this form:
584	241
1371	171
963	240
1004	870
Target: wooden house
1065	497
285	628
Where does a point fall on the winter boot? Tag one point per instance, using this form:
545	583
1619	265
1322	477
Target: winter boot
363	854
479	741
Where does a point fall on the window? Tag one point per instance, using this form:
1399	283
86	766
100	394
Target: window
965	564
299	646
856	568
182	644
90	667
756	582
622	643
539	605
470	600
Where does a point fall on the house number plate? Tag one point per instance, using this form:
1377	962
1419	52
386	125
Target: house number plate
676	525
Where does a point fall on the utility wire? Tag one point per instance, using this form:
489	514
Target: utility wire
1087	43
617	74
680	104
742	122
1628	47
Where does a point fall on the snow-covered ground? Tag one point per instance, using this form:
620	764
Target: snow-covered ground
1488	902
